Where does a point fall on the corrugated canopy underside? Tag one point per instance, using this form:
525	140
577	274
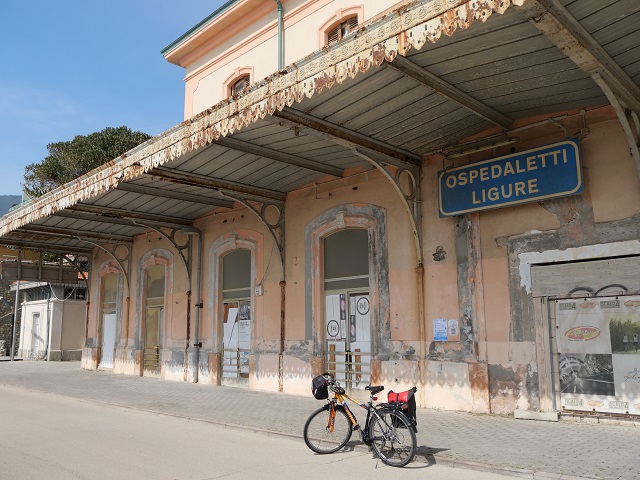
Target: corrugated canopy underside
419	80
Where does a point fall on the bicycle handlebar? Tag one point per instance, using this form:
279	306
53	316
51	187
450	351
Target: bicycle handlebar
333	385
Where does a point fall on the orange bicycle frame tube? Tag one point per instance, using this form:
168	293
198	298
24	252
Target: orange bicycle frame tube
332	417
340	398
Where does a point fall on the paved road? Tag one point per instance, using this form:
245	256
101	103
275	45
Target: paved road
521	448
60	438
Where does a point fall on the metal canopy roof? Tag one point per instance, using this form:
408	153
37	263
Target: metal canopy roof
419	80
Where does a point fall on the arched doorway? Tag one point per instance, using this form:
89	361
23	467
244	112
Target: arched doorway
361	222
153	312
108	313
347	309
237	317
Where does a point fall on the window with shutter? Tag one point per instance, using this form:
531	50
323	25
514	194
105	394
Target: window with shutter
239	85
342	29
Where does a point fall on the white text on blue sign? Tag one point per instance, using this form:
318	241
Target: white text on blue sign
539	174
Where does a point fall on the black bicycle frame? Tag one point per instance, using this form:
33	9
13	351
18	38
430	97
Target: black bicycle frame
364	432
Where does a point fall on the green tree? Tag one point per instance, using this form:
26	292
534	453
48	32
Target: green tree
72	159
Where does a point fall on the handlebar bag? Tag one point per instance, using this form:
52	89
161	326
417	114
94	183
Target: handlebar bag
319	387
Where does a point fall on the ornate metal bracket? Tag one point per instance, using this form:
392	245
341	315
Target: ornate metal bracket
276	229
120	252
181	248
406	183
74	261
627	117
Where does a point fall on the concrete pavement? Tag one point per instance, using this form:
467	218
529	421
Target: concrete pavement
517	448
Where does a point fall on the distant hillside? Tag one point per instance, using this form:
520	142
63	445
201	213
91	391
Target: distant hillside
8	201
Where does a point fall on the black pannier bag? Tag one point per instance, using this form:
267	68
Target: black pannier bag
320	387
408	401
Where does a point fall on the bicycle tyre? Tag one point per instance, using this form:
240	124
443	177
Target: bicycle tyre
392	437
318	437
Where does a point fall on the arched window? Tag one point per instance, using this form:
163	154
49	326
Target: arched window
237	82
239	85
342	29
340	24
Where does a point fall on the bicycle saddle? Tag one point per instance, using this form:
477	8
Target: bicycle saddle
374	390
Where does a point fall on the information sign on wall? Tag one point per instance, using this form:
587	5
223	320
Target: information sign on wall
531	176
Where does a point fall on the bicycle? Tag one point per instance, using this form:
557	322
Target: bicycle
387	430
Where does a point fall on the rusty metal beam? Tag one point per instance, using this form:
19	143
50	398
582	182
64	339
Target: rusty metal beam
416	72
553	19
95	217
90	217
275	229
346	137
48	247
187	197
122	213
203	181
278	156
70	233
411	201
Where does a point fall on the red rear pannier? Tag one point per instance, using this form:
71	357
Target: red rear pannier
408	401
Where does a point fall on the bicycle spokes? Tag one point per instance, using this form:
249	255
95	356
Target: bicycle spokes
387	430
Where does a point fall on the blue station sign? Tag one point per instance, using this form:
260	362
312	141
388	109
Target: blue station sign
531	176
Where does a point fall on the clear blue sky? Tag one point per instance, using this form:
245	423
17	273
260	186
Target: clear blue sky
73	67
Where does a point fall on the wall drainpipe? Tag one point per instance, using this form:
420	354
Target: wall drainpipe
422	368
280	35
283	285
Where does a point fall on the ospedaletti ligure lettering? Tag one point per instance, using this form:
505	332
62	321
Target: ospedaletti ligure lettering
533	175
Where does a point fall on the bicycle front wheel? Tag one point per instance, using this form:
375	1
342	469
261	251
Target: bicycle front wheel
393	438
319	434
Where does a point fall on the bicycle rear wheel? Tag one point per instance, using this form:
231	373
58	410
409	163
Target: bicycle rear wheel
318	435
393	438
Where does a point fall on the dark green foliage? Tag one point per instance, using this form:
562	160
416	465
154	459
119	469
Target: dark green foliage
69	160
